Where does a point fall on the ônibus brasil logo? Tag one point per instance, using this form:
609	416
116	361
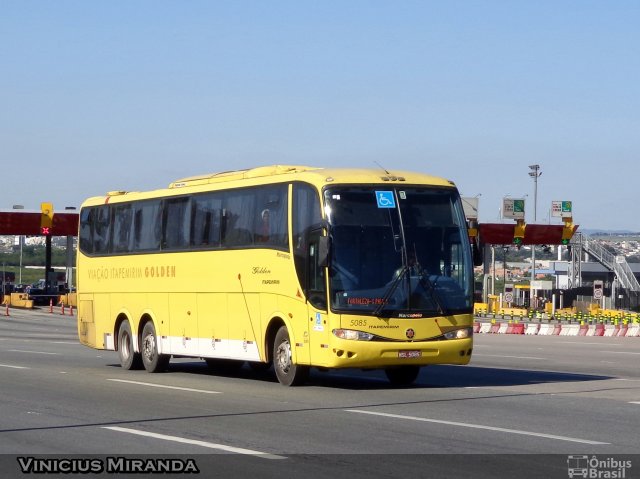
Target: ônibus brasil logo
596	468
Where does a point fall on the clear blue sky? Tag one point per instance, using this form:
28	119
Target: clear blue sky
98	96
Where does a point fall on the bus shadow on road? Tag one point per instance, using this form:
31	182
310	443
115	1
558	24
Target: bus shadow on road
473	376
431	377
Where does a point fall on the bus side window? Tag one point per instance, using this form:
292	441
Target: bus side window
102	230
122	237
176	225
146	226
87	217
206	222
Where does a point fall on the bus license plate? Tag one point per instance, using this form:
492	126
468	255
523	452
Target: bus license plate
409	354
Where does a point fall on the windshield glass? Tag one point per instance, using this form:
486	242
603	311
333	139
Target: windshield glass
400	251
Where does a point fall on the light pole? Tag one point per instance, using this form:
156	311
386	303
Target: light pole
505	248
534	173
21	240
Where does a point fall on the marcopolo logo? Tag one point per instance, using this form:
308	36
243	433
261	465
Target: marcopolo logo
597	468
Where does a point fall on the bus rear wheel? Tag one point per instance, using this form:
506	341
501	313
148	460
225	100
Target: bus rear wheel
152	361
402	375
287	372
129	359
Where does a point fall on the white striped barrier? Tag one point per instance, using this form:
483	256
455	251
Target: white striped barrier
532	329
633	331
485	328
572	329
503	328
610	330
546	330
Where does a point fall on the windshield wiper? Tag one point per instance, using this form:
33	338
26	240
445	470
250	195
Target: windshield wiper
431	287
392	288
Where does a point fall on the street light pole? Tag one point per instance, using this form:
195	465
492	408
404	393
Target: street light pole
535	174
504	262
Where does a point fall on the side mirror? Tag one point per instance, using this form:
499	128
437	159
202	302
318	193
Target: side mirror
477	249
323	251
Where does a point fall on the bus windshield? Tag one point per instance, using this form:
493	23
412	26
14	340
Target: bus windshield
398	251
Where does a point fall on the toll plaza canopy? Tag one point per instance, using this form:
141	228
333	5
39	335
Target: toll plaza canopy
535	234
29	223
66	224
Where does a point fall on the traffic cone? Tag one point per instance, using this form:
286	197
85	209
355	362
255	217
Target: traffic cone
51	306
62	309
71	310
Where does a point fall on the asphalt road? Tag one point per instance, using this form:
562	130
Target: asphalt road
522	407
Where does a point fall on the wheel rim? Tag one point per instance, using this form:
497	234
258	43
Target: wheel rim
283	356
149	347
125	345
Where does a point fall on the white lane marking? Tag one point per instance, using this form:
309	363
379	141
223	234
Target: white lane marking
618	352
634	402
13	367
75	343
210	445
163	386
588	344
479	426
504	356
30	352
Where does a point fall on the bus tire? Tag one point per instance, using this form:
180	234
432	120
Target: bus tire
152	361
129	359
402	375
287	372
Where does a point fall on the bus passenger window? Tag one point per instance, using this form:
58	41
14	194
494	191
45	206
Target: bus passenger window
263	232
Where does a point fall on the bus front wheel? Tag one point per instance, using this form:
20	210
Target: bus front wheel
402	375
287	372
129	359
152	361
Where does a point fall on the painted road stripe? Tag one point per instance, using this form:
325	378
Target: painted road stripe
503	356
618	352
163	386
30	352
634	402
210	445
479	426
13	367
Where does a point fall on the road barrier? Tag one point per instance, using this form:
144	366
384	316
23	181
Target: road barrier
485	328
502	329
558	329
633	331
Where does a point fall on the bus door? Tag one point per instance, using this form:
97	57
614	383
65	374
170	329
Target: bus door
316	292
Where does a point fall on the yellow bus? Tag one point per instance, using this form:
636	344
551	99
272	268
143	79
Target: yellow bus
290	266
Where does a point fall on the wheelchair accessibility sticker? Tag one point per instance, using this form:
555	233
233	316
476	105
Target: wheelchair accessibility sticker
385	199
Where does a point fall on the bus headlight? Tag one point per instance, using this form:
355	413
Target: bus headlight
352	335
459	333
